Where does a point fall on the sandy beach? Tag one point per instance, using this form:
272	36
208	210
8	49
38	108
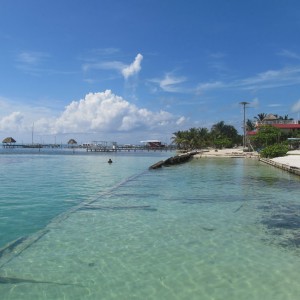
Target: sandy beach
230	152
291	159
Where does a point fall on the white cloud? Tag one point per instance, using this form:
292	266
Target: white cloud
274	105
170	83
12	122
102	115
105	51
296	107
263	80
202	87
181	121
271	79
31	57
35	63
109	65
289	54
107	112
133	68
126	70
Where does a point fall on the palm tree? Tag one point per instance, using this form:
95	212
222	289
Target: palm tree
180	139
203	136
194	138
286	117
197	138
218	128
226	133
260	117
222	130
249	125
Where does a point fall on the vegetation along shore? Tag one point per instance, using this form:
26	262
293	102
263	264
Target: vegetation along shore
270	137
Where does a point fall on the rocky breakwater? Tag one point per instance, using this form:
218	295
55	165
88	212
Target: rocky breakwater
174	160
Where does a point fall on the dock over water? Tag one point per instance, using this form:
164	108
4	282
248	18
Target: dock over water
92	147
118	148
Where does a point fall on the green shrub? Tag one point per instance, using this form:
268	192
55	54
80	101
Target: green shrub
274	150
223	142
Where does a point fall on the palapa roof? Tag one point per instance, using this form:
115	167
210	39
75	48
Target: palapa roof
9	140
270	117
72	142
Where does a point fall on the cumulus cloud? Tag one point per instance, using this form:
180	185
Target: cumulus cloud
12	122
107	112
103	115
133	68
296	107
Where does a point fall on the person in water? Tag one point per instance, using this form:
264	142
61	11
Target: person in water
109	161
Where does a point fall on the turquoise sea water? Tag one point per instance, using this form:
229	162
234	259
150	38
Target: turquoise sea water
208	229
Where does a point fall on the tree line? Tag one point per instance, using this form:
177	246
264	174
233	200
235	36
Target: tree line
268	140
221	135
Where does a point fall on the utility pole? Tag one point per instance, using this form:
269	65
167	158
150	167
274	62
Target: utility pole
32	133
244	124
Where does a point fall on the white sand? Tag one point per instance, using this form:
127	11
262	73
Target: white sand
292	159
232	152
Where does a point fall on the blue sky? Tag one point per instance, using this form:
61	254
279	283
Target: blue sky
132	70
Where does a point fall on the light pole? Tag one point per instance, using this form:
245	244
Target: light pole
32	133
244	126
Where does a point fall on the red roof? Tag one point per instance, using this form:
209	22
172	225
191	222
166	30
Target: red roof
287	126
251	132
280	126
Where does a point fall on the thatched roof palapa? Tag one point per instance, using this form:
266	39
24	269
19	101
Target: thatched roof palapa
270	117
72	142
8	140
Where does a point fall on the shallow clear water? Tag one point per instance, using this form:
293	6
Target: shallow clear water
207	229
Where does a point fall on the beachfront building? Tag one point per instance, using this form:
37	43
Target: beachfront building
286	125
289	128
153	144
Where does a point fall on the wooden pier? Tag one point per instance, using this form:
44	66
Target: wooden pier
117	148
93	147
33	146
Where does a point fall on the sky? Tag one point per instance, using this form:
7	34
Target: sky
127	71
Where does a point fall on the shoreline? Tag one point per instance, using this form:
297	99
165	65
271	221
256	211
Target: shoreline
292	159
290	162
228	152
